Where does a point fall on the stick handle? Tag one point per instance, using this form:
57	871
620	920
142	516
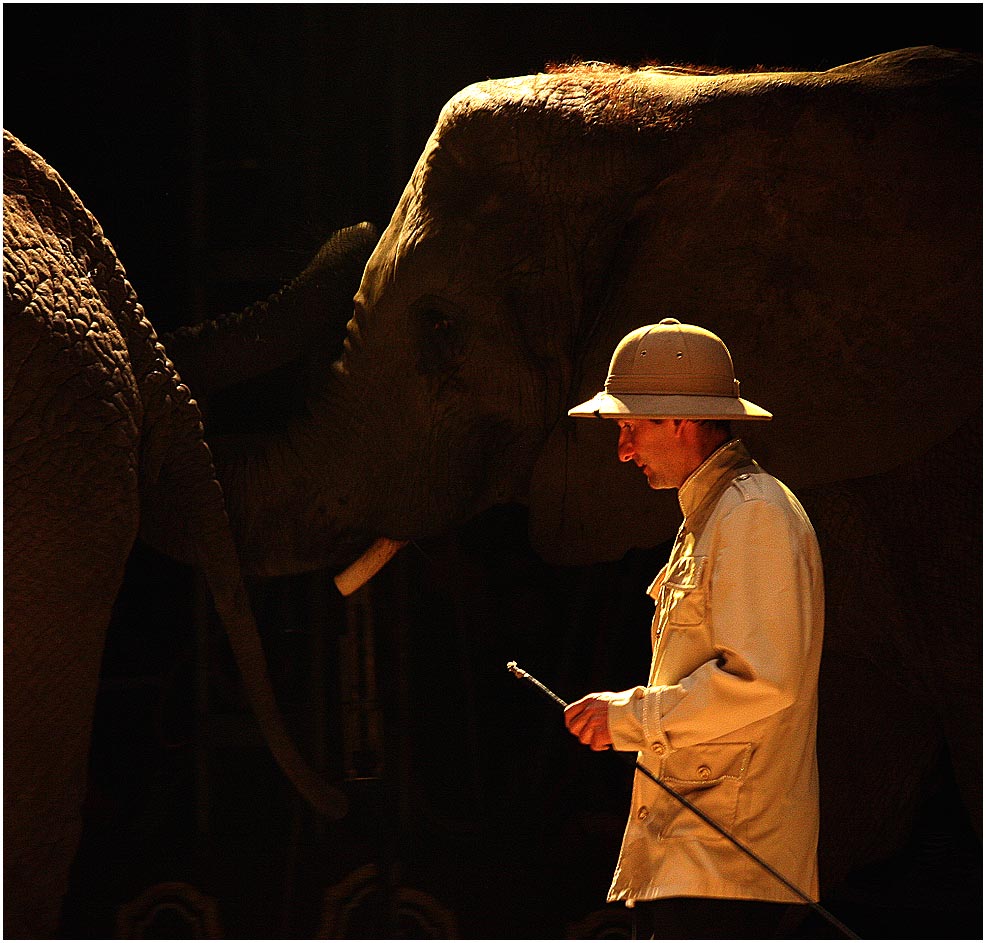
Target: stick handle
530	679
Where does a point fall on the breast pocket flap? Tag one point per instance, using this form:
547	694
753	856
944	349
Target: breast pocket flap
710	763
685	573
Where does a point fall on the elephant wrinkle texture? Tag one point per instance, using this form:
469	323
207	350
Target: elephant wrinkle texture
102	441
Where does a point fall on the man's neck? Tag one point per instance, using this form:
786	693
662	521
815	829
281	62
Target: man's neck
705	448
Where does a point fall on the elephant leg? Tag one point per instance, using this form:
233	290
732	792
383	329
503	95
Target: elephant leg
47	724
928	514
869	719
963	721
57	608
70	518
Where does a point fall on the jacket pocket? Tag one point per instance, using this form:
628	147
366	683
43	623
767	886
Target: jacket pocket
710	777
682	597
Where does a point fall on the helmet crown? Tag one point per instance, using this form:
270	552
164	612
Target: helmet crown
670	370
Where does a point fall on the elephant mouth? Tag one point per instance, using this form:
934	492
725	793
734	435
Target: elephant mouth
365	527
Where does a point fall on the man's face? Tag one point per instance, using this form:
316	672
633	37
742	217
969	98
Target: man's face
653	445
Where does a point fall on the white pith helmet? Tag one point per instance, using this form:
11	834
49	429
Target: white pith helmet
670	371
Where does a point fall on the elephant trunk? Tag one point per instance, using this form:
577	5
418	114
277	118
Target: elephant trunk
233	608
345	486
180	485
300	320
302	325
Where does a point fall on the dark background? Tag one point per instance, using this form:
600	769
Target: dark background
219	145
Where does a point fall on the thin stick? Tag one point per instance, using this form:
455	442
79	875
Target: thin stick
523	675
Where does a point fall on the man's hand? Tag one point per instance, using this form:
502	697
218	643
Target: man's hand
588	719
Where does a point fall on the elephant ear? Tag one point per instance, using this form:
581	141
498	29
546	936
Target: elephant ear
845	278
586	506
840	262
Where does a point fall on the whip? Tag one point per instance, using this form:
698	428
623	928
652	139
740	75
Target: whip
518	672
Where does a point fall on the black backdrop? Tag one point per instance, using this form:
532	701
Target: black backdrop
219	145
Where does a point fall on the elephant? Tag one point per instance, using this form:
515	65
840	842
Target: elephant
826	224
103	442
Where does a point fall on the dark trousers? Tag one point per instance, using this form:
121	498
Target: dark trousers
704	918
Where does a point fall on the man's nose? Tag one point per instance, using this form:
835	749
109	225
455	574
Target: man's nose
625	448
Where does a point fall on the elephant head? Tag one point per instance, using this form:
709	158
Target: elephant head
826	225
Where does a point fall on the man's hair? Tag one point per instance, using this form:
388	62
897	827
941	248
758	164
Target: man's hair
722	426
712	426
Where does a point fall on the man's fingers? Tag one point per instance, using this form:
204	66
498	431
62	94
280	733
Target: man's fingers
576	708
578	720
596	738
577	724
587	718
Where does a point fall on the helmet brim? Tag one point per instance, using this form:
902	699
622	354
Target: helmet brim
655	406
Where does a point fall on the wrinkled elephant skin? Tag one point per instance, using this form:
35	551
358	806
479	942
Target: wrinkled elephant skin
101	439
827	226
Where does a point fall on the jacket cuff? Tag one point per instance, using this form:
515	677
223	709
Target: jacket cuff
657	703
625	719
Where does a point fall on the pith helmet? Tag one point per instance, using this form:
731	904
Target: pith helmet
670	371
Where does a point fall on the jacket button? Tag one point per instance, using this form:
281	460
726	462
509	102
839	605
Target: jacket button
643	812
658	748
704	772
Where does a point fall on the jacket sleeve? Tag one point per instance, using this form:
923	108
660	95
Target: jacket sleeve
760	620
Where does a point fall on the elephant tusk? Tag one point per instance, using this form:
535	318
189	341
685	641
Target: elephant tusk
367	566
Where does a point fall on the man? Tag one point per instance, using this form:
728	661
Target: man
727	717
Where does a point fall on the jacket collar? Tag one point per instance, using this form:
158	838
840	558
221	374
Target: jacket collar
701	490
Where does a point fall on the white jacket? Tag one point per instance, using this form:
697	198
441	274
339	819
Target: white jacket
729	711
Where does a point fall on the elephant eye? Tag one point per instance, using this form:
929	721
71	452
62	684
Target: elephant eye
439	338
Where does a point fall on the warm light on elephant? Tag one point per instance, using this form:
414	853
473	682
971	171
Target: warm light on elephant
826	223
